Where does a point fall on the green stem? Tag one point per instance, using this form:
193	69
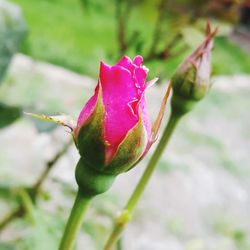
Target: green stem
127	212
74	222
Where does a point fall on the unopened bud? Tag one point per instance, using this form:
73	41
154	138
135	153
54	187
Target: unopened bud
192	79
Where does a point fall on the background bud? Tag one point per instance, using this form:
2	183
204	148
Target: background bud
191	81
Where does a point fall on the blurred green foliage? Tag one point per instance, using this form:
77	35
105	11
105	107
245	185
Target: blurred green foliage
76	37
8	114
12	32
230	228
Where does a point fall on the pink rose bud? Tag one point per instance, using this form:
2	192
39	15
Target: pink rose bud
113	132
191	81
113	129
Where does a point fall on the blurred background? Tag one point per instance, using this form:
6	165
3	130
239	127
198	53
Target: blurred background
199	197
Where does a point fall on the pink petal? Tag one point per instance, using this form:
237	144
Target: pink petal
123	86
126	62
88	108
145	116
138	60
140	78
118	93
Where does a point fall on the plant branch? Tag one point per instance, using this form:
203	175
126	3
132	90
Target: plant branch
122	16
49	165
18	212
35	189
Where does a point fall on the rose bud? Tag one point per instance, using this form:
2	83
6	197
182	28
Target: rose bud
113	130
192	81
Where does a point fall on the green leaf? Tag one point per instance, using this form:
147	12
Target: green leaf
8	114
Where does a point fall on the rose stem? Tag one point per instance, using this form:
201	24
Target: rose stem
74	222
127	212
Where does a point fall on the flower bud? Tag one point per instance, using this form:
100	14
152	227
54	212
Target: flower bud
191	81
113	129
113	132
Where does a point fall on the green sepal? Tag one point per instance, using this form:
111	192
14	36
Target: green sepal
186	93
181	106
89	139
90	181
130	150
187	87
63	120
